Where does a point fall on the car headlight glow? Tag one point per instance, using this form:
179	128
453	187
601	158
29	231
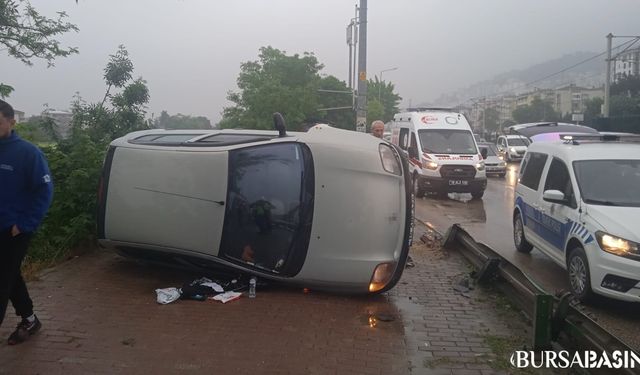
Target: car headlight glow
512	149
480	166
501	157
381	276
432	165
502	164
616	245
390	160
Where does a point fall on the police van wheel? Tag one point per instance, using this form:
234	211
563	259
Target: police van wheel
522	245
416	187
579	275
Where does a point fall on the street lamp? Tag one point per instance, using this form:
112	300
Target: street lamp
380	83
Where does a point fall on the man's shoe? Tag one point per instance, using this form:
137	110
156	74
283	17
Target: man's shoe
24	330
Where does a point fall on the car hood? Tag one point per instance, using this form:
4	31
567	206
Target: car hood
359	214
618	221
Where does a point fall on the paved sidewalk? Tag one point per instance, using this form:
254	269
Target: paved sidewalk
100	316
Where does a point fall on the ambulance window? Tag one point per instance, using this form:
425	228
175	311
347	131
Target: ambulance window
403	142
414	143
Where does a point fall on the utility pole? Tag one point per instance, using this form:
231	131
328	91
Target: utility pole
350	43
361	109
607	80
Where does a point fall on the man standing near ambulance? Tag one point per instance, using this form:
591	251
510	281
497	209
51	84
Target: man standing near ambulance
26	191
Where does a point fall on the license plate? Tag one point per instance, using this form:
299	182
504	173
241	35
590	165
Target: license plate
458	183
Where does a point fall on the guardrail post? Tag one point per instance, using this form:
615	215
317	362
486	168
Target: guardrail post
542	322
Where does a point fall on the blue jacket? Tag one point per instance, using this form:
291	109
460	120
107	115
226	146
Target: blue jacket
25	184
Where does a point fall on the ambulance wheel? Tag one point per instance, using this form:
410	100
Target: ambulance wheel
477	194
416	187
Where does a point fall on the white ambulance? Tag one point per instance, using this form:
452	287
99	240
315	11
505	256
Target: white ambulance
443	154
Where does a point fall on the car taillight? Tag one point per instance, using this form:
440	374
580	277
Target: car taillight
381	276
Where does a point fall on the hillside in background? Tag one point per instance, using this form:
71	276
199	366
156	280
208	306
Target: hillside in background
588	74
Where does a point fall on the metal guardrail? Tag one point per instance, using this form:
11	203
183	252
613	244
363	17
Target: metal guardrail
557	324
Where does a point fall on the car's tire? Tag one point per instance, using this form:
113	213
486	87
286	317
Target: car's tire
522	245
419	192
477	194
579	275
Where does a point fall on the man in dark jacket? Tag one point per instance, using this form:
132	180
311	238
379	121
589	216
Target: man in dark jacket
25	195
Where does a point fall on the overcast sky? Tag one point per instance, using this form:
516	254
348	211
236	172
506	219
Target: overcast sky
190	51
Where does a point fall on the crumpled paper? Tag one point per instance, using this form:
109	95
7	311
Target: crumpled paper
226	297
167	295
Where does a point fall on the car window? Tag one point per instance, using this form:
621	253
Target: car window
518	142
609	182
445	141
558	178
269	200
531	169
404	138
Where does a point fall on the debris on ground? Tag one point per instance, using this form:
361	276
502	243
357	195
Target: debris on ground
223	290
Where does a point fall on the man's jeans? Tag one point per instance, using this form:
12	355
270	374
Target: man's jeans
12	285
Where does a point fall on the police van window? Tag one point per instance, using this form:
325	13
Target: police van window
403	142
558	179
531	169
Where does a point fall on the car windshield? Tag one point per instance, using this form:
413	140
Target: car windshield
491	149
445	141
609	182
518	142
269	207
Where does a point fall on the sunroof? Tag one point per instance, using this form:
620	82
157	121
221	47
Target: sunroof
165	138
232	139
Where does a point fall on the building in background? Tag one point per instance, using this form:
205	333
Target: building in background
62	120
626	64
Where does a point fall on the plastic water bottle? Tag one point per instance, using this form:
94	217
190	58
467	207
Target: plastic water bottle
252	287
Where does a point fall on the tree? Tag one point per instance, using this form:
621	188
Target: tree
274	83
180	121
341	97
626	86
624	105
383	92
592	109
538	110
26	35
375	111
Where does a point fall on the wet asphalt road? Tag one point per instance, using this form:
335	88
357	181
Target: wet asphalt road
489	221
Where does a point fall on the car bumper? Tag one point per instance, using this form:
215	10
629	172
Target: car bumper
495	169
453	185
614	276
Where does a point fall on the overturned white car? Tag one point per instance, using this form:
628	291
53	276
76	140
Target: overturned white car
328	209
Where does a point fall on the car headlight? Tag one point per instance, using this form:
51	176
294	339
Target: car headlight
502	164
381	276
617	246
390	160
480	166
432	165
512	149
501	157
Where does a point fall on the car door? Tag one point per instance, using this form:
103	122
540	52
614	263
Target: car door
528	192
557	218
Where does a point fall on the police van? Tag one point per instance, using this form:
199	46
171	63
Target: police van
443	154
577	201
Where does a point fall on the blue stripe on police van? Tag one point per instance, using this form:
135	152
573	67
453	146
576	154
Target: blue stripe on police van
589	240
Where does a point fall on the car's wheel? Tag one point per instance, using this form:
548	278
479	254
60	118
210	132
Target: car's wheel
416	187
522	245
579	275
477	194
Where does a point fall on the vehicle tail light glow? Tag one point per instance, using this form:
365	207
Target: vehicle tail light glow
381	276
390	160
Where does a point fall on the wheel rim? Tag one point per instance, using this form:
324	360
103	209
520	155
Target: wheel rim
517	232
578	274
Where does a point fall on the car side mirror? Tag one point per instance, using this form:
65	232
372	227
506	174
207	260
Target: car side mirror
554	196
484	153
